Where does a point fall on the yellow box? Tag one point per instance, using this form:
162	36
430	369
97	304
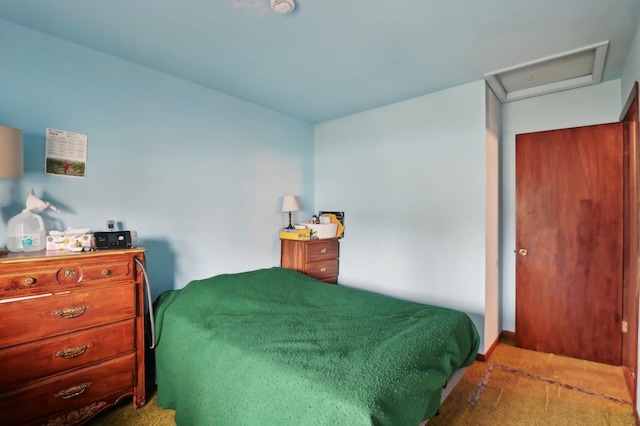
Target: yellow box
295	234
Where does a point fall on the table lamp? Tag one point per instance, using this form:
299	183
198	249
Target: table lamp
11	156
289	204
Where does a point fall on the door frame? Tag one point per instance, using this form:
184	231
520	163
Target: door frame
631	252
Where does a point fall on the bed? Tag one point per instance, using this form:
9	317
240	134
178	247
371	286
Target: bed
276	347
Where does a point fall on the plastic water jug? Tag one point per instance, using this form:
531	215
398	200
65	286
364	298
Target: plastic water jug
26	232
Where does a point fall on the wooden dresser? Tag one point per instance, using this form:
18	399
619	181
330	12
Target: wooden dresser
316	258
71	335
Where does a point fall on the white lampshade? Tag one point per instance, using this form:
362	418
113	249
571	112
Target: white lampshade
289	204
11	155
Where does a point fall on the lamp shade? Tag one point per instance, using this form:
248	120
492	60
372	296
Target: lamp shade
289	204
11	155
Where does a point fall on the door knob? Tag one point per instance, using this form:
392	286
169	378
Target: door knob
522	252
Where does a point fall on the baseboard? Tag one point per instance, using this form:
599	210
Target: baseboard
629	379
481	357
508	335
503	335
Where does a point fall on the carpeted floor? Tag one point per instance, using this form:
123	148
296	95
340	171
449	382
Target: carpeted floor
516	387
125	415
521	387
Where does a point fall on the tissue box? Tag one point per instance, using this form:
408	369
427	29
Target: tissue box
68	242
295	234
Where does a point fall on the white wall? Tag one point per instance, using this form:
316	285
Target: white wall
200	175
411	179
492	227
631	71
579	107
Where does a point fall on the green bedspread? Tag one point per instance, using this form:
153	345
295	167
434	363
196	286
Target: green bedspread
274	347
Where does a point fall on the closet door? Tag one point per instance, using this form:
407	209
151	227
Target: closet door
569	242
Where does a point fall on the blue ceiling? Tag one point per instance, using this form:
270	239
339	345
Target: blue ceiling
333	58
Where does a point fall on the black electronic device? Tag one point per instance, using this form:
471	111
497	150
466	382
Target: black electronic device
112	240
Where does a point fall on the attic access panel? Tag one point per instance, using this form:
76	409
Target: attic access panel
569	70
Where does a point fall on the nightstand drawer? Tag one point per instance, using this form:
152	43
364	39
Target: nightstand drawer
25	363
22	321
322	250
67	392
323	269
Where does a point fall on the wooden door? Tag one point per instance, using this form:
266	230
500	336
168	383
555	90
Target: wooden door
569	224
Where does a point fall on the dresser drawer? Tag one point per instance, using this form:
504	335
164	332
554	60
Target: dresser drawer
31	361
22	321
322	250
70	272
323	269
68	392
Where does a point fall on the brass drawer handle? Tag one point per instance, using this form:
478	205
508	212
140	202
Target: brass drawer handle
324	250
323	269
72	352
73	391
106	272
71	312
29	281
69	273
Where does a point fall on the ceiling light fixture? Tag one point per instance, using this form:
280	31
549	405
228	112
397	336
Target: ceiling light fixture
283	6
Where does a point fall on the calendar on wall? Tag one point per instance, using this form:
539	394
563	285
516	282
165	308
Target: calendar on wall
65	153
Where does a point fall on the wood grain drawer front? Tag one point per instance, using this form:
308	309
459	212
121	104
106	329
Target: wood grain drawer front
323	269
27	320
25	363
67	392
121	269
57	274
28	279
321	251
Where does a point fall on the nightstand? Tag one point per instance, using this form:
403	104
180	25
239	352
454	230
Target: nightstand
317	258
